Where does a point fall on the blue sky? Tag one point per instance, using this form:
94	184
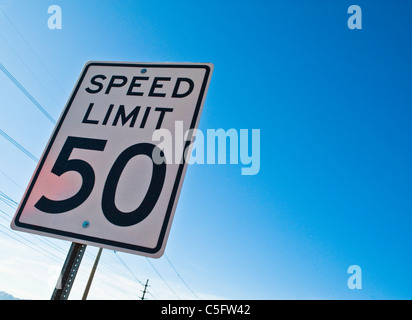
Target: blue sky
333	109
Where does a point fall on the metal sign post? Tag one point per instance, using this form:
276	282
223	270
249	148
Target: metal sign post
68	274
89	282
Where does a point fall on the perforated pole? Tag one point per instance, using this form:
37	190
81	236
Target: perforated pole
68	274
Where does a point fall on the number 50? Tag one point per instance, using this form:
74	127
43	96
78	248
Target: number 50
110	211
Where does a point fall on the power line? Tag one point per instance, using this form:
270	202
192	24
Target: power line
125	265
12	180
151	293
26	93
50	256
41	239
26	240
28	45
28	68
6	197
160	276
13	204
7	200
180	277
115	270
18	145
40	249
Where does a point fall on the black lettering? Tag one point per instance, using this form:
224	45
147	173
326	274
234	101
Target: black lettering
122	114
112	83
146	114
98	84
133	84
162	115
108	113
175	93
156	85
64	164
86	116
110	211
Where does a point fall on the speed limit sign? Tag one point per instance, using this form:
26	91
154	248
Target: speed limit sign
103	179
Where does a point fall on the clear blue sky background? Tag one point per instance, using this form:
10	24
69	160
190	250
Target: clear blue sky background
333	106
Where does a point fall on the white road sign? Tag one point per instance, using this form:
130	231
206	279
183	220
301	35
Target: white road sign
97	181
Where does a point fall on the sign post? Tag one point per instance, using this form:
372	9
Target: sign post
68	274
89	282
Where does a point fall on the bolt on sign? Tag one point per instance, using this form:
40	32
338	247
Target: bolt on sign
97	182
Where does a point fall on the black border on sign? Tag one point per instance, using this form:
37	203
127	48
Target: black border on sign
175	186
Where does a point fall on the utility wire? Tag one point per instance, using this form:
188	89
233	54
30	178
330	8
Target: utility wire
12	180
18	145
180	277
47	243
50	256
8	199
26	93
11	205
41	239
28	45
28	68
125	265
160	276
